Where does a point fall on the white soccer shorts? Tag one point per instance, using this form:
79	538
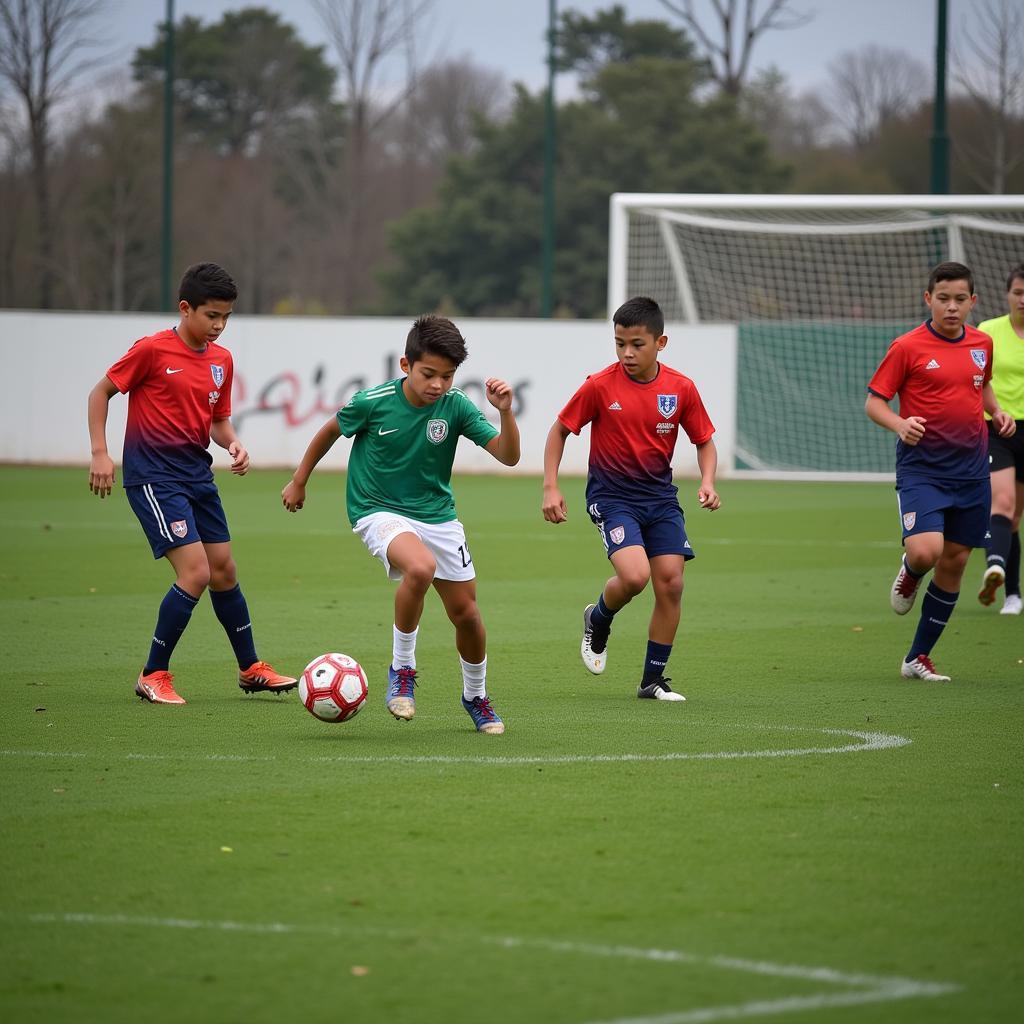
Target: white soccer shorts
445	541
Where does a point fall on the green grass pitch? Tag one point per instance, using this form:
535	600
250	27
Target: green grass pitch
607	859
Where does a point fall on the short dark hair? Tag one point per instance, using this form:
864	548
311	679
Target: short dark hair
641	312
950	271
205	281
436	336
1018	271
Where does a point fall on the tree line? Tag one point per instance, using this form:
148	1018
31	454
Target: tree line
325	192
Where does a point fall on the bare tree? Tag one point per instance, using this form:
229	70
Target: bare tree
365	33
991	71
39	41
447	99
871	85
738	24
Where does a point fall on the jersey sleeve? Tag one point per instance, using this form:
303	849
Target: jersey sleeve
353	418
133	367
222	407
474	425
581	408
694	419
891	373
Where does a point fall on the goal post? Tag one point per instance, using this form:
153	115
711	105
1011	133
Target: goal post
817	287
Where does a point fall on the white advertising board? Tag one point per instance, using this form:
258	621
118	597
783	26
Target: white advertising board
292	374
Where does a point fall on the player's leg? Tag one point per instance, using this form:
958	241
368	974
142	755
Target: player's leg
226	596
623	541
165	514
459	600
667	583
1000	529
922	520
1012	604
455	583
937	606
232	611
410	559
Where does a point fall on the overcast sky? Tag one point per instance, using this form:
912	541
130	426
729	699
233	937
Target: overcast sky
508	35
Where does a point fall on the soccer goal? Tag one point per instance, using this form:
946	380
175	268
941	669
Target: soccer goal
817	286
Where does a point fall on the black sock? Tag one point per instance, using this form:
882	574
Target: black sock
175	611
233	613
998	547
1013	565
936	609
656	660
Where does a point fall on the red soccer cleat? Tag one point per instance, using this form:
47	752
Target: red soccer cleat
260	677
158	688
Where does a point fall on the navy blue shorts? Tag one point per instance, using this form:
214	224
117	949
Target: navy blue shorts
658	529
175	512
959	511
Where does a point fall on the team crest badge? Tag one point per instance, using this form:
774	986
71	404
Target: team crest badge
437	430
909	518
218	374
667	404
617	534
978	355
180	528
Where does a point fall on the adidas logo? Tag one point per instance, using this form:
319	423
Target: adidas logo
615	407
932	365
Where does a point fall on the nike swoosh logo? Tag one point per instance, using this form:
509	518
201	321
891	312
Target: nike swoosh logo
381	431
169	370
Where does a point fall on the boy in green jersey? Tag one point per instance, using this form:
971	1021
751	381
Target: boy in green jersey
400	502
1006	454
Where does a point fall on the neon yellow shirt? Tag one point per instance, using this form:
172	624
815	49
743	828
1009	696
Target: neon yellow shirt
1007	365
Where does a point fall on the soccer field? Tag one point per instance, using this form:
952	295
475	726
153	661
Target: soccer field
808	838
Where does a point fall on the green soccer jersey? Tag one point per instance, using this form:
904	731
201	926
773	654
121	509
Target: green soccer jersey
1007	365
402	457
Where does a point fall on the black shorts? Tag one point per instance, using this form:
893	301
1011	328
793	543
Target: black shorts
1004	452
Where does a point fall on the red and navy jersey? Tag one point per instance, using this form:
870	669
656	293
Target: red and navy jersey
634	431
174	395
939	379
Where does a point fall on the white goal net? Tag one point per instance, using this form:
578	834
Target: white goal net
818	286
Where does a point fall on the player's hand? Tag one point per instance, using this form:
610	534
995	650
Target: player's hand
293	496
554	507
239	458
101	475
708	498
499	393
912	430
1005	423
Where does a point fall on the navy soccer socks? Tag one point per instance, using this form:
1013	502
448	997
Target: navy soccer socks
601	616
233	614
656	661
936	608
175	611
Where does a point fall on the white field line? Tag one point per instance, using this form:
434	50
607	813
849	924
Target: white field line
865	988
867	741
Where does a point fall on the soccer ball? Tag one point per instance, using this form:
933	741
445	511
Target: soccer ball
333	687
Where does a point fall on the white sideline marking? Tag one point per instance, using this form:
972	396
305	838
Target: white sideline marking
866	988
867	741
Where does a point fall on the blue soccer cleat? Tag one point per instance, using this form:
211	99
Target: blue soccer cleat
485	718
399	699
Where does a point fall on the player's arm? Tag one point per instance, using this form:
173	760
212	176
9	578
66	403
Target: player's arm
909	430
293	496
101	465
553	506
223	434
1005	423
505	447
707	463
